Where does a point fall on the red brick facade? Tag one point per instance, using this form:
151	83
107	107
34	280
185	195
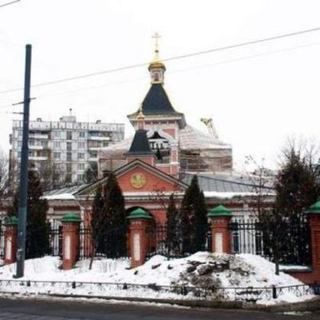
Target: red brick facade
10	239
221	238
70	244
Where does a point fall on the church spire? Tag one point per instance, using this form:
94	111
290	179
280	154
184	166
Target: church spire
157	67
156	38
140	119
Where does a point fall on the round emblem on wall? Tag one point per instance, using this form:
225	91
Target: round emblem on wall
138	180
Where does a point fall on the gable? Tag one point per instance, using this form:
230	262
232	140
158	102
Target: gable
140	177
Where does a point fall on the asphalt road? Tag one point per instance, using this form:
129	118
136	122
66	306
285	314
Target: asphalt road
29	309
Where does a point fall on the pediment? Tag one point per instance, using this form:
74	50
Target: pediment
139	177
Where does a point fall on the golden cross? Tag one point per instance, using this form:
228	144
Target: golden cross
156	38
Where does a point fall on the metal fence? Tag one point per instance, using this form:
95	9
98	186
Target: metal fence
132	290
55	238
1	239
246	236
160	242
85	250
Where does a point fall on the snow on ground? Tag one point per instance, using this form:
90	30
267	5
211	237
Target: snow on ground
210	272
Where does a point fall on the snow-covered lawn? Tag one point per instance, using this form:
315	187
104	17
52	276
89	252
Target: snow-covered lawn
219	277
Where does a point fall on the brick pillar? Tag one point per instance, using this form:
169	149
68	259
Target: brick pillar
138	242
10	240
314	221
219	218
70	240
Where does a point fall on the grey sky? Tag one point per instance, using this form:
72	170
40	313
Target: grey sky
257	96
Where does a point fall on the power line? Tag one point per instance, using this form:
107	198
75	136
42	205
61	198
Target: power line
180	70
243	44
188	55
68	92
9	3
88	75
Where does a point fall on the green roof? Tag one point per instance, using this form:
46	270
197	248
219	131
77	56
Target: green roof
139	214
71	217
315	208
219	211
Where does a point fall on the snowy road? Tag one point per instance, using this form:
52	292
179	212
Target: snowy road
29	309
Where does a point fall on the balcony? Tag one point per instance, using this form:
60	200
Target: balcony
99	138
96	148
38	136
38	158
33	147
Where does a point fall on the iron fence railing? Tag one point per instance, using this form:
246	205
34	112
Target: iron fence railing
159	242
1	240
85	250
55	238
109	289
246	236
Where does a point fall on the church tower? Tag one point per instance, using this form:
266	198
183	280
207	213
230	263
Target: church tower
140	147
163	139
162	122
156	67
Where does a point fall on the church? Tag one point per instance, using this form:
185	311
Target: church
178	147
161	159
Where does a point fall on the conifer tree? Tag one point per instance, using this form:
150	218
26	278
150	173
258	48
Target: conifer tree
193	218
115	212
109	220
97	219
201	224
37	237
297	187
172	238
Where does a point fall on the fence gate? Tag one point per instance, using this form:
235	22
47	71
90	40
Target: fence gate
86	248
55	238
160	242
246	236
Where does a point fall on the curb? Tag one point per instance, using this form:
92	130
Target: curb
311	305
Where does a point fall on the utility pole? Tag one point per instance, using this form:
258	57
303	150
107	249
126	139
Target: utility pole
23	193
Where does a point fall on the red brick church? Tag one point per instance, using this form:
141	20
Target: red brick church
159	160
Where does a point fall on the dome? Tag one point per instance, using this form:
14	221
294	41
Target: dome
156	64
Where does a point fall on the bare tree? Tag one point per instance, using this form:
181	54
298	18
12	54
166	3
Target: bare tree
4	174
296	186
52	177
261	182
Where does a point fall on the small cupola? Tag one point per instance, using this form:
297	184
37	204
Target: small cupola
140	119
157	67
140	148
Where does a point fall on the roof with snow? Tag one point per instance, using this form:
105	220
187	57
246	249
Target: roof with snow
192	138
67	193
189	139
212	185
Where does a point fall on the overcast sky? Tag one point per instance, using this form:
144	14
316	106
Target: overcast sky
257	95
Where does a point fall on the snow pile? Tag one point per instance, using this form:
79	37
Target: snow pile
202	275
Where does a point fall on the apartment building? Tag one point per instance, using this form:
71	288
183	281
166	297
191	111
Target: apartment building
63	150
